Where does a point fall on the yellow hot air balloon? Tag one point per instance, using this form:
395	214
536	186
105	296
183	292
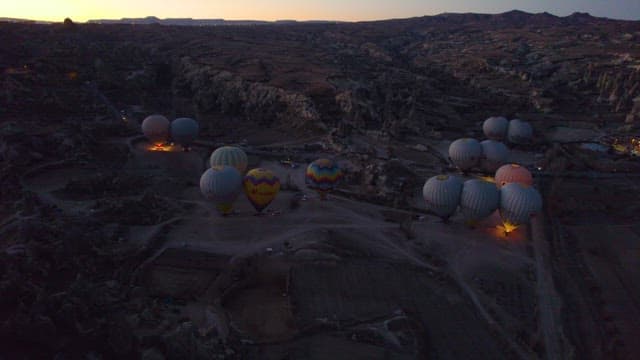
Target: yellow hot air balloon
261	186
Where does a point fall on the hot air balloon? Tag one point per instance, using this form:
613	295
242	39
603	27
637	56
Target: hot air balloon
156	129
229	155
478	200
222	185
322	176
465	153
511	173
261	186
495	127
494	155
184	131
442	194
519	132
517	204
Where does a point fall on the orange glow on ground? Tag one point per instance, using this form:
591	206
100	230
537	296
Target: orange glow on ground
507	228
163	148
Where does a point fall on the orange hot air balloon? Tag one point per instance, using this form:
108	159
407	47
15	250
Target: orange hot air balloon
513	173
261	186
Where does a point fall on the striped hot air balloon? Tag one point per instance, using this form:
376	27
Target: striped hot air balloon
322	176
517	204
442	194
494	155
229	155
511	173
465	153
222	185
478	200
156	129
261	186
495	127
184	131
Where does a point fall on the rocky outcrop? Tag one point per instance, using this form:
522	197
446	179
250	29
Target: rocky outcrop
619	88
401	103
221	91
634	115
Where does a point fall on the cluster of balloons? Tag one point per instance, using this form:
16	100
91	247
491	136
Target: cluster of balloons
516	131
490	154
512	194
467	153
223	181
159	130
226	179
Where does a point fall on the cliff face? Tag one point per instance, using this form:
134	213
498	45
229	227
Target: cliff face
220	91
619	88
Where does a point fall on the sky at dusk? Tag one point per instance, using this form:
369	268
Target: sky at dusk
346	10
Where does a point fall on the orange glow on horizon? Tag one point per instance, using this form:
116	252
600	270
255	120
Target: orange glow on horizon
340	10
82	11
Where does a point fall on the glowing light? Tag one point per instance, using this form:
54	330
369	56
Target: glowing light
508	228
488	178
629	146
161	147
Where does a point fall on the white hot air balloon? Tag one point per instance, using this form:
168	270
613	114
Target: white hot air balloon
517	204
156	129
229	155
442	194
495	127
519	132
494	155
222	185
184	131
465	153
511	173
478	200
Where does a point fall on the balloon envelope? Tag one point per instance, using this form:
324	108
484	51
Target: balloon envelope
519	132
156	128
184	131
322	175
261	186
222	185
231	156
442	194
518	203
479	199
465	153
494	155
511	173
495	127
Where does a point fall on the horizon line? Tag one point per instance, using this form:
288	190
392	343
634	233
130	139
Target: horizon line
8	18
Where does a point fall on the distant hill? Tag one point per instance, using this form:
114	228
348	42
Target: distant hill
15	20
509	18
197	22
